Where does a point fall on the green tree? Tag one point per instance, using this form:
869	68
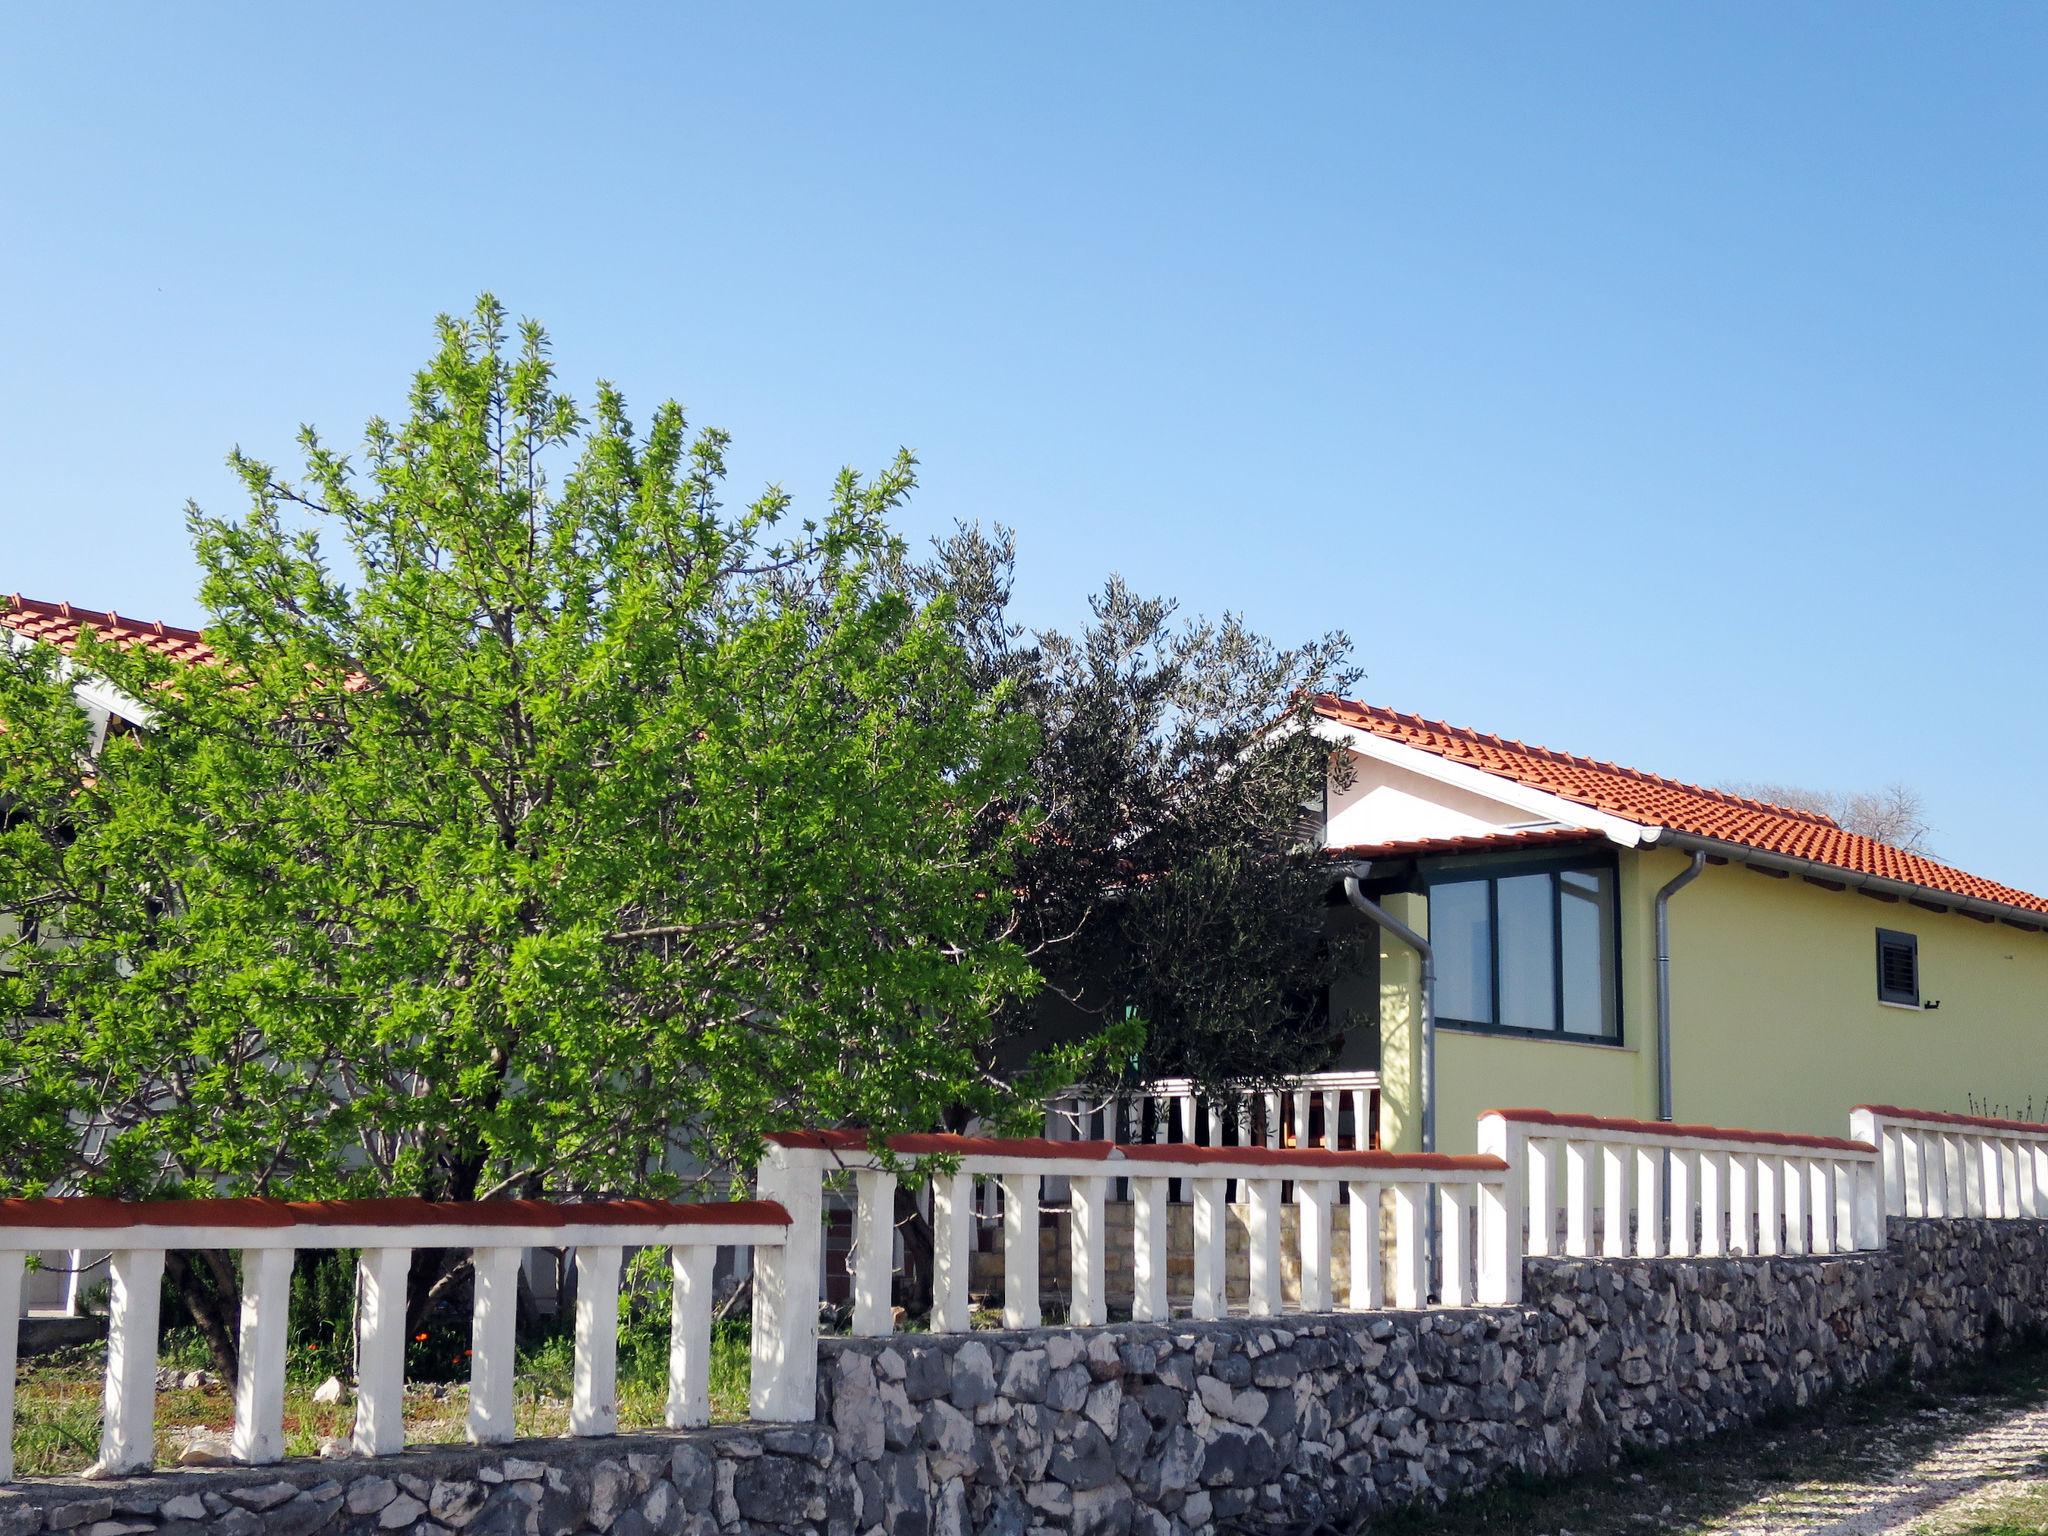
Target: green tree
544	825
1172	874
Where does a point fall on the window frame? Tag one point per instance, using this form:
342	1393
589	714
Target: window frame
1911	943
1493	871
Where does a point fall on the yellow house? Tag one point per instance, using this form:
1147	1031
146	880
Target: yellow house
1807	968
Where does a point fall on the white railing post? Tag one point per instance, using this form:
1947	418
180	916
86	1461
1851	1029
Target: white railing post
1955	1182
1020	1250
1578	1199
380	1351
1770	1184
1847	1238
10	1341
493	1345
1614	1200
258	1437
1912	1157
1743	1203
594	1378
1649	1202
1792	1194
1541	1152
1366	1286
785	1344
1501	1203
1316	1197
128	1412
2030	1179
952	1250
1209	1298
874	1252
2008	1178
1820	1174
1713	1169
1361	1119
1262	1212
691	1270
1148	1250
1935	1158
1411	1284
1087	1303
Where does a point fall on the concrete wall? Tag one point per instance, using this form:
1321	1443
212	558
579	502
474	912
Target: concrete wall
1775	1019
1183	1427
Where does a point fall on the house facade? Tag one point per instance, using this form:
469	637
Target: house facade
1809	968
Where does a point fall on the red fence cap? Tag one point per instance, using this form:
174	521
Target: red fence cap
1567	1121
254	1213
1942	1117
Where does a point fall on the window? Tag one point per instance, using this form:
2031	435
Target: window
1529	951
1898	968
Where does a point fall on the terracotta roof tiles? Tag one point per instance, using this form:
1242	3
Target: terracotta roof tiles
59	624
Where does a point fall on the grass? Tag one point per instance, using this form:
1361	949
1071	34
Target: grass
57	1400
1800	1470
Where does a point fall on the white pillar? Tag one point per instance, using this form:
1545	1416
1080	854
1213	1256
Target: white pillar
493	1345
1525	1185
1148	1250
1743	1203
1713	1170
874	1252
952	1250
258	1437
1365	1247
784	1388
1769	1182
10	1341
689	1336
1820	1204
1088	1306
1454	1210
1683	1172
1209	1300
2008	1180
1020	1250
380	1351
1911	1157
1578	1199
1262	1211
128	1412
1792	1191
594	1382
1845	1207
1410	1282
1361	1119
1649	1202
1315	1197
1614	1200
1541	1152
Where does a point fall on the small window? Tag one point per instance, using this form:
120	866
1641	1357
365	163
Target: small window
1898	968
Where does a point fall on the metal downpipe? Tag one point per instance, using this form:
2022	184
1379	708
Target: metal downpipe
1671	888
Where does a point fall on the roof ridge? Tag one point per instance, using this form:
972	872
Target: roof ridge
1580	760
96	618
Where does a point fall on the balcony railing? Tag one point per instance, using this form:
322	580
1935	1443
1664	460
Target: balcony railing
1957	1165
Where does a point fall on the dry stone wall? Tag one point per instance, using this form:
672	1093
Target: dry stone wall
1160	1429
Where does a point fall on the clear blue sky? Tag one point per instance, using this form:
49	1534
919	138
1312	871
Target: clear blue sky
1665	383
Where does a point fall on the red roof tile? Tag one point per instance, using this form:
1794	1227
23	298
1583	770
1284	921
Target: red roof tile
59	624
1652	800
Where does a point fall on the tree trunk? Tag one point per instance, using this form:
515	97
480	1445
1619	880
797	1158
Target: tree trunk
212	1297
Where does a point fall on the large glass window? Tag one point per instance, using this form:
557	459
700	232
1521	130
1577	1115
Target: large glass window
1532	951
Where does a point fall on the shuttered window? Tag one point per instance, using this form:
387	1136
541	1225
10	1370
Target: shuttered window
1898	968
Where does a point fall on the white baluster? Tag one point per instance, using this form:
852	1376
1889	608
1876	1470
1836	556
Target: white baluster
1317	1199
1768	1183
1713	1173
1541	1152
1935	1158
1743	1203
1262	1211
874	1252
1820	1203
1649	1201
1366	1295
1020	1250
493	1344
258	1437
1684	1174
1333	1119
594	1384
128	1412
2008	1180
2029	1173
1148	1250
1955	1183
1869	1226
952	1250
11	1264
1792	1191
1361	1119
1454	1212
1410	1280
380	1351
1086	1252
691	1269
1209	1299
1911	1151
1273	1121
1845	1206
1614	1200
1578	1199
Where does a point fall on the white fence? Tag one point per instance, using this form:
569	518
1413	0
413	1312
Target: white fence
1681	1191
1957	1165
269	1232
1337	1111
1542	1182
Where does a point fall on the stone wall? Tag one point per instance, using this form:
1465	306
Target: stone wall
1186	1426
